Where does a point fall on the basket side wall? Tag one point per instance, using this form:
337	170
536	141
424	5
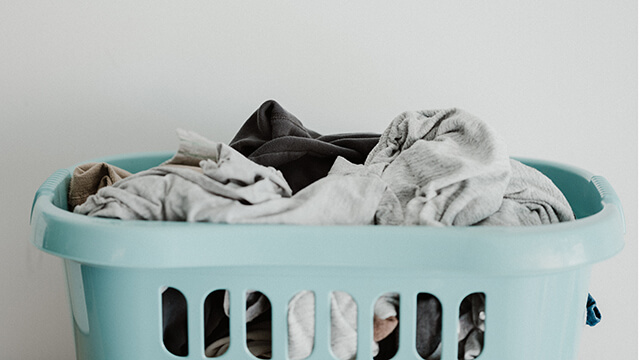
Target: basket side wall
117	312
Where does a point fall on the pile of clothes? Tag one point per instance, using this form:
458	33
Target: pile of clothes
436	168
433	168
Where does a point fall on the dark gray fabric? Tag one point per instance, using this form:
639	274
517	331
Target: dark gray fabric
429	325
174	322
274	137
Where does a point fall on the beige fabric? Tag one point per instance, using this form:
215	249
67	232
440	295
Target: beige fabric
89	178
383	327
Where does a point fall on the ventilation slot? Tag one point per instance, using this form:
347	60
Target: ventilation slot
216	323
428	326
174	322
471	326
344	325
258	326
301	325
386	326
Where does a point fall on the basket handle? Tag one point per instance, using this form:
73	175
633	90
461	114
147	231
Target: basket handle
608	196
50	187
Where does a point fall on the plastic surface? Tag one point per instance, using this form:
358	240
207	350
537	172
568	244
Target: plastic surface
535	278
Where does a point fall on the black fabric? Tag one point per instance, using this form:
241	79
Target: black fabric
274	137
388	347
174	321
429	324
216	322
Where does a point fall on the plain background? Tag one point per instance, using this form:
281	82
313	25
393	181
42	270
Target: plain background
84	79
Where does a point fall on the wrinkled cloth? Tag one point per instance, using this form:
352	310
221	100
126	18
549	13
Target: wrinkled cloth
471	326
432	167
88	178
274	137
301	324
386	318
232	189
531	198
383	327
175	192
428	326
446	167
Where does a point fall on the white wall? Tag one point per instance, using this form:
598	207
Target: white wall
82	79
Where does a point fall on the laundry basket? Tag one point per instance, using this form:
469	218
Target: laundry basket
534	279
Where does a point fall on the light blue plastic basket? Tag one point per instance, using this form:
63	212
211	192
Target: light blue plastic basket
535	279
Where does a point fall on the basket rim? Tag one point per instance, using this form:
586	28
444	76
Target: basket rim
496	250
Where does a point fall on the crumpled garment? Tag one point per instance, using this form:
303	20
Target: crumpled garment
274	137
385	315
88	178
530	199
446	167
232	189
178	193
435	167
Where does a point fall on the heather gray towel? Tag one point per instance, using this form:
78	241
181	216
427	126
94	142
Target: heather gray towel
446	167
